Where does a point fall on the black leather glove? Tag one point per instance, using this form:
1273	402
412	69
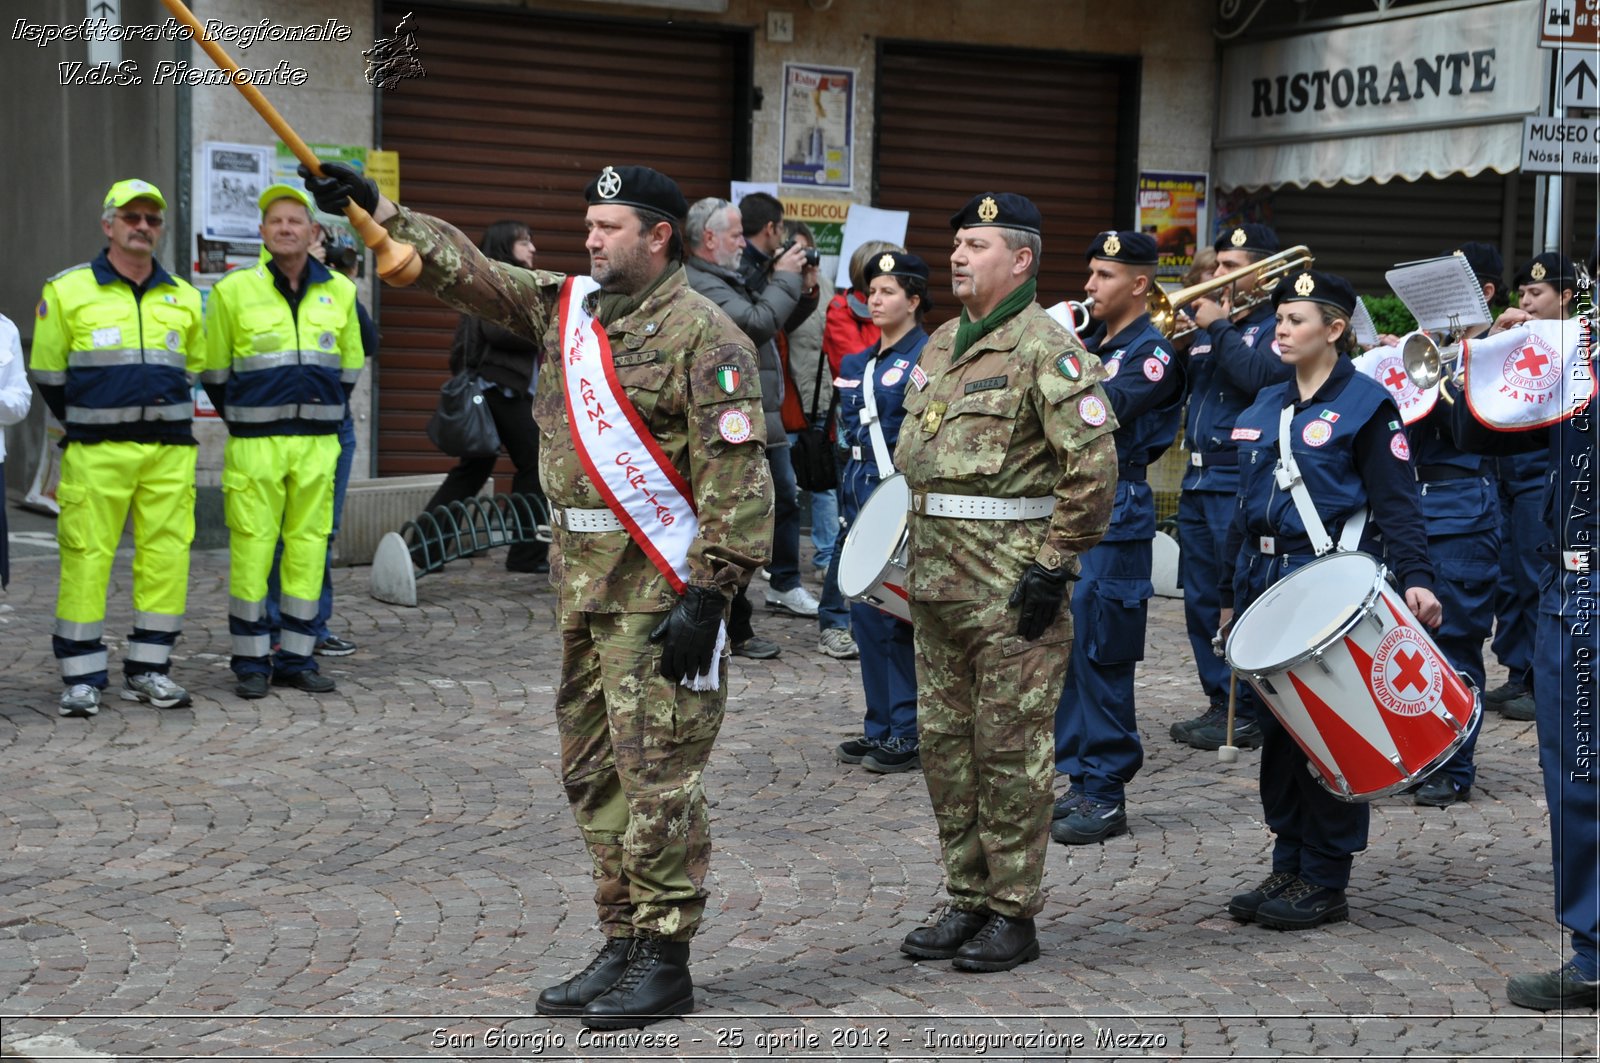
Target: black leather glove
1038	594
338	185
689	633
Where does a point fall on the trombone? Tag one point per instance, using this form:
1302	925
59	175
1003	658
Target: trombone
1268	272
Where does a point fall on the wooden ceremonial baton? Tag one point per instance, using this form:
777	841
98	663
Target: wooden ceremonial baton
397	262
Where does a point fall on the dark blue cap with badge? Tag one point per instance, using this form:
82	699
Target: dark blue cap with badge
1005	209
638	186
1314	286
1129	248
1552	268
1485	261
897	264
1252	236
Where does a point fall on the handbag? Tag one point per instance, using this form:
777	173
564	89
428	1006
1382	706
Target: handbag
463	426
811	454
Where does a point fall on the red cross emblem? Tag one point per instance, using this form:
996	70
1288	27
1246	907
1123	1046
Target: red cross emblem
1410	671
1532	362
1394	379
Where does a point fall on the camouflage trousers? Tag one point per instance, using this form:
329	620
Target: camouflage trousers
986	707
633	749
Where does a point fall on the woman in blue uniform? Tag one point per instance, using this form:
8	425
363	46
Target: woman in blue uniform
1353	456
869	425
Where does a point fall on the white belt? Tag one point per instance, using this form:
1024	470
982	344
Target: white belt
586	520
1575	560
981	507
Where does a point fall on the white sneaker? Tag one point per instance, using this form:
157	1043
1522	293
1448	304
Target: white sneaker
838	643
80	699
796	602
158	689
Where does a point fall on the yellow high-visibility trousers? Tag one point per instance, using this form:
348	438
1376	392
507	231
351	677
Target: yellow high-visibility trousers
101	483
272	487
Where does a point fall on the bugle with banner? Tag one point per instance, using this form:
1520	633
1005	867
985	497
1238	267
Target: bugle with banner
1537	374
1386	365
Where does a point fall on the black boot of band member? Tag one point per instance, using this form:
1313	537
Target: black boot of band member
573	995
655	986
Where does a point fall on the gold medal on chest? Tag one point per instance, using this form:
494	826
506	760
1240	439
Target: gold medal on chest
933	416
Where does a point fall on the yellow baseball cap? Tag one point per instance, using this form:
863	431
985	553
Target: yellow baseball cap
272	193
124	192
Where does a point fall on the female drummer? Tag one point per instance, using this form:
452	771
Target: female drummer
1346	438
872	386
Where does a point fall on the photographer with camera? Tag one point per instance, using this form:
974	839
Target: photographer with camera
763	303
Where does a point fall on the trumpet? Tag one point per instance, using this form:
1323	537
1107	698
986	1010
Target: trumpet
1079	312
1163	308
1428	364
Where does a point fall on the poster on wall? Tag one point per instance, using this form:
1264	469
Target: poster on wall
337	231
1172	208
818	129
231	179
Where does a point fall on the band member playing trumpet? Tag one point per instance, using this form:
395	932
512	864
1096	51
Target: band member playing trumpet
1007	451
872	387
1097	738
1230	363
1343	432
1566	647
1463	523
1545	288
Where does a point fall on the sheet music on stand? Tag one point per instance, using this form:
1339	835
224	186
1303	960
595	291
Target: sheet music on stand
1365	329
1441	293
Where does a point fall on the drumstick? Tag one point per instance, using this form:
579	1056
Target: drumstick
1227	753
397	263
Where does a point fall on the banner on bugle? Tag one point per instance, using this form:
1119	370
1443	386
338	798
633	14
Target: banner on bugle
1387	367
1539	373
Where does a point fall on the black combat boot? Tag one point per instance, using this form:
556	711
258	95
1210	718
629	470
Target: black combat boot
1003	943
655	986
941	940
571	996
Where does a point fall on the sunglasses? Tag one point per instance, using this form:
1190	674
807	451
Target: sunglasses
132	217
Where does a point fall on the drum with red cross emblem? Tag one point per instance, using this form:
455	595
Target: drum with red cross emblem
1353	677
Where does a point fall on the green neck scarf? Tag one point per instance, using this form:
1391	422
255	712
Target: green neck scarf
969	331
611	307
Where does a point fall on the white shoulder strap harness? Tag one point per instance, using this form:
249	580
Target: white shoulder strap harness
1288	477
869	417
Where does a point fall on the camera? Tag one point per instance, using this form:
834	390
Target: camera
813	256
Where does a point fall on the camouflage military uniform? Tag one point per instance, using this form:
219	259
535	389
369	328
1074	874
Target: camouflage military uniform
633	745
1019	415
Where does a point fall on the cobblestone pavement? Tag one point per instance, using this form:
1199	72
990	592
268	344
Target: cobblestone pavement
391	871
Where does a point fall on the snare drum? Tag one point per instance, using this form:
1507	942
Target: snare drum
872	562
1353	677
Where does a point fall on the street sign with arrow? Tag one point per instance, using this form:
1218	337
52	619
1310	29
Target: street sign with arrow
1580	77
100	48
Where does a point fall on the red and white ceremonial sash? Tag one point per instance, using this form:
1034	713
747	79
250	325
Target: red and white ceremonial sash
1385	365
1536	374
622	458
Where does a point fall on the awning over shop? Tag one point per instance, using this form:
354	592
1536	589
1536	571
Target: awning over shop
1378	157
1434	95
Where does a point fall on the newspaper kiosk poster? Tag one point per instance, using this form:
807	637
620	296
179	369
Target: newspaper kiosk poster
1172	208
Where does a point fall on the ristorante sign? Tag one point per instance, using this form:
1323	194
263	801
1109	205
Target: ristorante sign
1460	67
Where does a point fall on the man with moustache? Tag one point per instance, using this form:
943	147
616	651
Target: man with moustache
1007	449
653	458
116	344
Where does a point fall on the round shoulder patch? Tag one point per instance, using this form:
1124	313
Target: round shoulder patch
1316	433
1112	367
43	310
1399	446
1154	370
1092	410
734	426
892	377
